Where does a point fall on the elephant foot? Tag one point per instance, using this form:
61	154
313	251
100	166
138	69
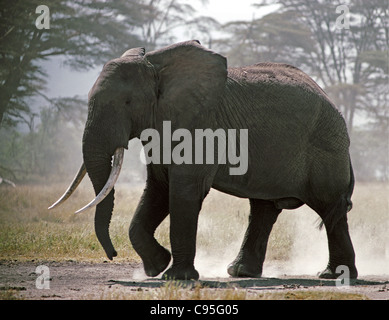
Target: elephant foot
157	263
180	273
330	272
241	270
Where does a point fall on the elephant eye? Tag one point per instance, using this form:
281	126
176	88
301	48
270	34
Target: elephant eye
128	102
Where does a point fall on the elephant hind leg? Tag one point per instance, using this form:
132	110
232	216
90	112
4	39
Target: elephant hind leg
249	262
341	251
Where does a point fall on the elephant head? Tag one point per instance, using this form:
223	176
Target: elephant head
137	91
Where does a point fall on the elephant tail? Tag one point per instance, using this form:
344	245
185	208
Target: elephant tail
340	208
350	188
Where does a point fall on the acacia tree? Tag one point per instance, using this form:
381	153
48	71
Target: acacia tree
276	37
86	32
159	21
351	51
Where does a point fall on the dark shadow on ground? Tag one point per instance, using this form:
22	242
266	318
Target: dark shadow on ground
261	283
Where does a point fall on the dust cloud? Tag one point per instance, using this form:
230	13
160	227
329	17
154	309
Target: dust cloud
296	245
310	252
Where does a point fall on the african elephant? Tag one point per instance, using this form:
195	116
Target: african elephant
297	152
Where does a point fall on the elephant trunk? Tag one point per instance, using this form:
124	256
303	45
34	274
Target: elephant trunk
98	166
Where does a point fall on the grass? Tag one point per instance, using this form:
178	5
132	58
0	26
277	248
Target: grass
10	293
29	231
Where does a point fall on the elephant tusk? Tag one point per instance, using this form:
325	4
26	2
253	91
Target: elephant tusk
76	181
114	175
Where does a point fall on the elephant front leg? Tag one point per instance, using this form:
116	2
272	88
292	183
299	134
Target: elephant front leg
151	211
249	261
183	229
186	194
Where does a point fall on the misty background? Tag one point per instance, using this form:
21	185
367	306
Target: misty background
46	74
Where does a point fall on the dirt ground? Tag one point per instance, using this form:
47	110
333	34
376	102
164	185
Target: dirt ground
82	280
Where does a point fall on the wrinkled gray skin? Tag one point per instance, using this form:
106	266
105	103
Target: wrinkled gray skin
298	152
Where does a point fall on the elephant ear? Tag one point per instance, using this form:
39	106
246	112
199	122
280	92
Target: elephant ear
191	81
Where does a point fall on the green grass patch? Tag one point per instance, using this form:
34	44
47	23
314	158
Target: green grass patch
28	230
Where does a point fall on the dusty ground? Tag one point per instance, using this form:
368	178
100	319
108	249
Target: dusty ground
82	280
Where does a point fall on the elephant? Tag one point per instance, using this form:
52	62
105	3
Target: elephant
298	153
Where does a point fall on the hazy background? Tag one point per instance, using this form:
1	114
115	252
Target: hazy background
45	76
